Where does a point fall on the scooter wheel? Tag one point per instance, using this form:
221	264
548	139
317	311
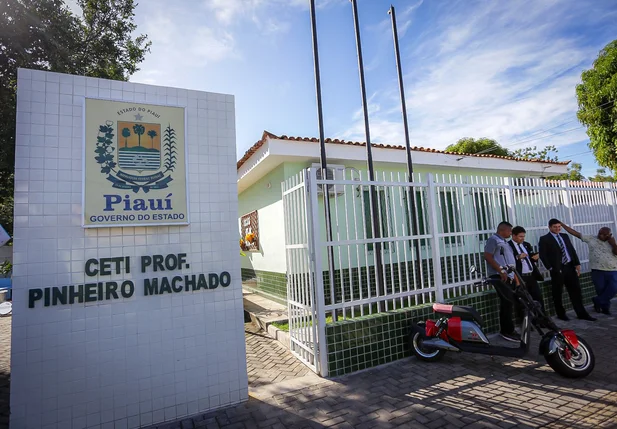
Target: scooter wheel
426	354
573	366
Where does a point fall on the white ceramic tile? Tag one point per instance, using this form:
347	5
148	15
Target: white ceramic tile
134	339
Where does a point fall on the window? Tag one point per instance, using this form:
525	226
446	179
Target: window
384	208
419	210
451	219
249	232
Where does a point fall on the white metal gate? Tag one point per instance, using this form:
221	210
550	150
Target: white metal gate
304	288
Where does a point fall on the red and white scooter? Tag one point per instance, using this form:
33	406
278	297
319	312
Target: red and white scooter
459	329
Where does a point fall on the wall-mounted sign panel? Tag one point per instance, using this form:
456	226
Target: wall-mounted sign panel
135	164
131	324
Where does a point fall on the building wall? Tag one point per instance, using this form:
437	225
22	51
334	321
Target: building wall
263	271
128	362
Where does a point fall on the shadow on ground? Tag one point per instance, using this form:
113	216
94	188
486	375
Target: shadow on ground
5	383
245	416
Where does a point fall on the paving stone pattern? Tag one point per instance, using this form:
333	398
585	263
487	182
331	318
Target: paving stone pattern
267	361
462	391
467	391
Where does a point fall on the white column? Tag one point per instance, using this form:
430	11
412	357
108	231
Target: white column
510	200
315	248
567	201
433	221
611	201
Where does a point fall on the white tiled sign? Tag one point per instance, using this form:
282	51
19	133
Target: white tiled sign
96	343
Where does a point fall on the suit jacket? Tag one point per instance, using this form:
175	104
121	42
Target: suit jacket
550	252
519	263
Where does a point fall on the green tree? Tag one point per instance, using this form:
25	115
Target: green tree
549	153
152	134
139	130
574	173
603	176
126	133
597	106
45	35
483	145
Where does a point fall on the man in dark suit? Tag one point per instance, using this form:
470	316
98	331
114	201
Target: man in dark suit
559	257
526	263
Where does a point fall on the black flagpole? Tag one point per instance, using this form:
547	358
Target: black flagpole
369	158
322	146
412	194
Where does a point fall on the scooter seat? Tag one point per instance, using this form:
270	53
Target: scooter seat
463	311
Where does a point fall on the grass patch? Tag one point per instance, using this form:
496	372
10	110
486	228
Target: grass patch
283	326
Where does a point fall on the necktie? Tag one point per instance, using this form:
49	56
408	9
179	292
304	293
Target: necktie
520	247
562	246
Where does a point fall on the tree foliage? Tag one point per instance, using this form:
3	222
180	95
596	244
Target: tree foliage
45	35
549	153
490	146
603	176
574	173
483	145
597	102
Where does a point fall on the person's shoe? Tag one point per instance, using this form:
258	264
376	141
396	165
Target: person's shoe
514	337
596	306
564	318
589	318
607	312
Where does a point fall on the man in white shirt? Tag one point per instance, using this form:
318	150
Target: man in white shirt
526	263
603	263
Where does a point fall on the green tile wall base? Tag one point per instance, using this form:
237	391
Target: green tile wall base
368	341
265	283
268	284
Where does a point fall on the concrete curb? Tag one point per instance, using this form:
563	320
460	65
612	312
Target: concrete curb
279	335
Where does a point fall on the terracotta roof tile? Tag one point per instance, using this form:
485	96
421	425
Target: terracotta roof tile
267	135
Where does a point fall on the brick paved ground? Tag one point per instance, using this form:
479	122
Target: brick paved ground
462	391
5	365
267	361
468	391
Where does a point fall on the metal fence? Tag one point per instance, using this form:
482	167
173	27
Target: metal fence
301	288
430	231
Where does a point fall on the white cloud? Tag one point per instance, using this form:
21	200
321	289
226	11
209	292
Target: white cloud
180	43
188	34
502	71
404	19
211	46
228	12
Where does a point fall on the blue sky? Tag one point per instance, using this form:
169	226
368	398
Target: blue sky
497	69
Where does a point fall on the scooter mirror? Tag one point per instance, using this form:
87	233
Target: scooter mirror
472	269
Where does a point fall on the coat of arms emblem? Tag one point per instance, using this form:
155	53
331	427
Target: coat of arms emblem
125	150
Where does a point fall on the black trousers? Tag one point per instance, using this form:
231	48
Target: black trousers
506	325
534	289
568	278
